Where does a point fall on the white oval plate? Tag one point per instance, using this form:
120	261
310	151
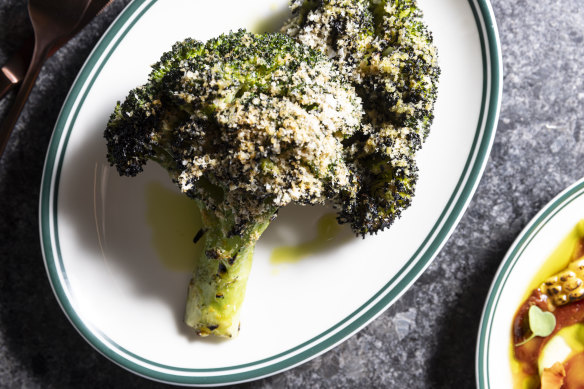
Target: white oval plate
108	241
522	262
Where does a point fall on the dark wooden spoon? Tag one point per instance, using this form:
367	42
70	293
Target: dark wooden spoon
13	71
52	22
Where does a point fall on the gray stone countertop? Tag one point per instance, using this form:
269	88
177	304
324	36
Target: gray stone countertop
427	339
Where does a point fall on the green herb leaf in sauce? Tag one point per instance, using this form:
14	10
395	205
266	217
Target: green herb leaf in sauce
541	323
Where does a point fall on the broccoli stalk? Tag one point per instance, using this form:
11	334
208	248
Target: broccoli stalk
217	289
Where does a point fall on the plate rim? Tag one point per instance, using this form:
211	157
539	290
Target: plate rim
393	289
529	232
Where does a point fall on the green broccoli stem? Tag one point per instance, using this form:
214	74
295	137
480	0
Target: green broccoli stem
217	288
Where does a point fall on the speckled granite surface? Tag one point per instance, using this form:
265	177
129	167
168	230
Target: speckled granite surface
427	339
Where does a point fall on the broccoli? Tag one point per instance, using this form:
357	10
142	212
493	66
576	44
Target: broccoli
332	112
244	124
387	53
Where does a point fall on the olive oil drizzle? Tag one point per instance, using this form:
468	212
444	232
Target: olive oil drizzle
328	234
175	221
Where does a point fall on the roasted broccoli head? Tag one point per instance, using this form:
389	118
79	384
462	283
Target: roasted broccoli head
244	124
387	54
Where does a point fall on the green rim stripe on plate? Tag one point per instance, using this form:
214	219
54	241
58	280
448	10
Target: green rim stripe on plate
493	48
529	233
52	171
324	341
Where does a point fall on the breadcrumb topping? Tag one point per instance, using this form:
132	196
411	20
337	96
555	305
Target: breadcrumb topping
334	109
386	52
265	121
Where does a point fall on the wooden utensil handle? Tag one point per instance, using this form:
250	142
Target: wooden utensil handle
11	118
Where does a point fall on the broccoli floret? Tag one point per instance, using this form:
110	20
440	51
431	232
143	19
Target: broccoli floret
245	124
343	29
388	55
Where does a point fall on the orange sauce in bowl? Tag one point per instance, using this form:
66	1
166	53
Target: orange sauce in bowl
528	354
